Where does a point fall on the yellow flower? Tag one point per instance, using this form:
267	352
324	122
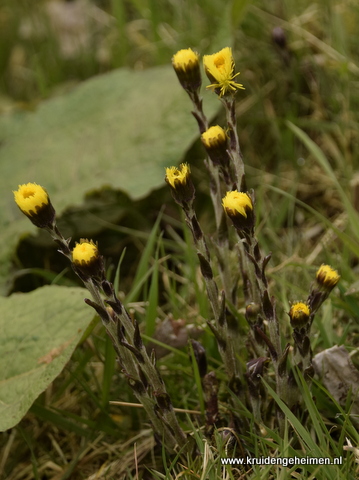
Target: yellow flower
239	207
236	203
84	252
219	68
34	202
327	277
214	137
179	179
185	59
31	196
299	314
175	175
186	65
86	259
216	144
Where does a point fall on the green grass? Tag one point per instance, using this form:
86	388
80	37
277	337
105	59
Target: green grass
298	128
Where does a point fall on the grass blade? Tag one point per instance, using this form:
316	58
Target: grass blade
151	311
346	239
142	269
322	160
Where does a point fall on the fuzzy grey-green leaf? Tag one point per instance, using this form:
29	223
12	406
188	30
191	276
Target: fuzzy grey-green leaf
119	130
38	333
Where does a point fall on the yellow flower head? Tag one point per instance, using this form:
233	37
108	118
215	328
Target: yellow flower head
299	314
186	65
86	260
84	252
219	68
214	137
236	203
34	202
215	141
179	179
327	277
239	207
30	197
175	176
185	59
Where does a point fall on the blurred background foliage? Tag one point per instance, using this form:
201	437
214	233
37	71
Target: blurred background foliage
299	63
46	44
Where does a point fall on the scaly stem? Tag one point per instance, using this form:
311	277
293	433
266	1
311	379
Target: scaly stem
226	338
139	369
234	147
216	197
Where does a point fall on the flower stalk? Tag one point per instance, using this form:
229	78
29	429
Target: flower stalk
239	207
326	279
139	369
227	348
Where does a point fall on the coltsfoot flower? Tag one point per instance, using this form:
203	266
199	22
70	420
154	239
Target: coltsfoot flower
236	203
178	176
186	65
299	314
87	260
239	207
214	137
33	200
215	142
220	70
327	277
179	179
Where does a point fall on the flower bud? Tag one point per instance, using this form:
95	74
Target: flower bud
34	202
279	37
186	65
179	179
239	207
327	277
252	312
215	142
86	259
299	314
200	356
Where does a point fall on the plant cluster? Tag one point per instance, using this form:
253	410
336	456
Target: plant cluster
228	286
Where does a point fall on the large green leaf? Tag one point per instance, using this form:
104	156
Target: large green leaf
39	331
119	130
